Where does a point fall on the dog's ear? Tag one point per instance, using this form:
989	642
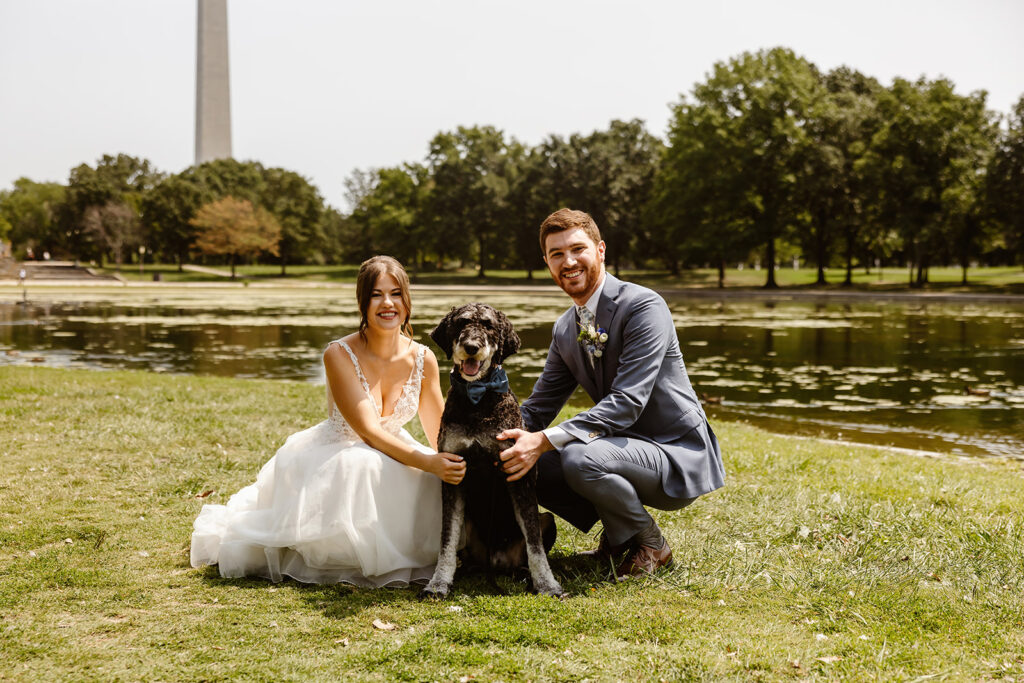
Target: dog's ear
509	339
442	333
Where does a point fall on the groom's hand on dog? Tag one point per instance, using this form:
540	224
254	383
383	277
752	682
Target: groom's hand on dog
520	458
449	468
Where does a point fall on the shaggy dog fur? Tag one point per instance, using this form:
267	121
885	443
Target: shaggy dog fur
502	527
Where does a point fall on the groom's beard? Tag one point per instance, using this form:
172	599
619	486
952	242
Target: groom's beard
584	284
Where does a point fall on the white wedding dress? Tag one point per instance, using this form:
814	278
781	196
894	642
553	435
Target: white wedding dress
328	508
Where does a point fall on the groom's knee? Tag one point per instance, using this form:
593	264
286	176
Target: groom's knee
578	466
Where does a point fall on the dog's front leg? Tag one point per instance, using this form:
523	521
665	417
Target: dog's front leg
453	509
524	503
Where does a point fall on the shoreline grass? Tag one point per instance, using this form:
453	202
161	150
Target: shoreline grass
816	560
1002	279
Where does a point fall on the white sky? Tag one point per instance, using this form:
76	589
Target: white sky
326	86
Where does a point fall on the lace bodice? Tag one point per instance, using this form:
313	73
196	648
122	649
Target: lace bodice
405	408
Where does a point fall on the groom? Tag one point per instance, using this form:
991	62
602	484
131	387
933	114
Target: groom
646	441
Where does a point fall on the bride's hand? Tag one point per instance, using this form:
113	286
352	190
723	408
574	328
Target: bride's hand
449	468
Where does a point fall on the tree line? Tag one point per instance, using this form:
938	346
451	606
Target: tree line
769	158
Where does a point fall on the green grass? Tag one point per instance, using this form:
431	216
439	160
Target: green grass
1008	279
817	560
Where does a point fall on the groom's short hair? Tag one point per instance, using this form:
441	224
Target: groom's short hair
568	219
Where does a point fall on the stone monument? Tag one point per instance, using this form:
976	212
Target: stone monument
213	97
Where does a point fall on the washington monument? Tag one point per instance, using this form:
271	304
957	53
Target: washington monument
213	97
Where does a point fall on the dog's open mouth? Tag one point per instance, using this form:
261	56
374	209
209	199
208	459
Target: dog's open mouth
470	367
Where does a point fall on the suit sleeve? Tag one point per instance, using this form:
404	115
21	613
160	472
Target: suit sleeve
646	336
552	390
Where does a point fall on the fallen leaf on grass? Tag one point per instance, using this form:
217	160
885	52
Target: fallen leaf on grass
454	608
204	494
217	647
795	663
831	659
342	641
143	553
69	541
383	625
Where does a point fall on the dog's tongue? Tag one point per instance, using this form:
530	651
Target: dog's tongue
470	366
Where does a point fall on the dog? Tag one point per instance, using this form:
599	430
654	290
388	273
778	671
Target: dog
500	521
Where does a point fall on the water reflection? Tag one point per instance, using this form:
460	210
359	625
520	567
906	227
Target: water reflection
883	373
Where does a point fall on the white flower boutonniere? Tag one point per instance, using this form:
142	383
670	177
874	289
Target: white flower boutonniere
592	339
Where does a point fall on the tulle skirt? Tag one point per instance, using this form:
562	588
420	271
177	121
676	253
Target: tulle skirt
327	509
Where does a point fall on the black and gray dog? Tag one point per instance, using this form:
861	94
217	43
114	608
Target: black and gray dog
503	529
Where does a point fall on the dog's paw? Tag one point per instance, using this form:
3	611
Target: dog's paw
435	591
552	589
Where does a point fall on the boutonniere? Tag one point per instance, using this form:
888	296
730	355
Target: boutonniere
592	339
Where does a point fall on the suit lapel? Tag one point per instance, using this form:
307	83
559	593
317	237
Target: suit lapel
577	355
605	312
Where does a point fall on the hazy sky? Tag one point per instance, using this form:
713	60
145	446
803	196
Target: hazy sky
323	87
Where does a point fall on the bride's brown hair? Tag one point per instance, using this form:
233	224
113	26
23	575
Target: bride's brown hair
369	272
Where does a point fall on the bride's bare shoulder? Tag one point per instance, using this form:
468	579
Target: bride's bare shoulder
335	355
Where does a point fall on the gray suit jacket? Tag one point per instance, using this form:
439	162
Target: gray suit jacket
639	386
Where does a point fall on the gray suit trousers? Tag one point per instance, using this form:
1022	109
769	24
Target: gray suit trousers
610	479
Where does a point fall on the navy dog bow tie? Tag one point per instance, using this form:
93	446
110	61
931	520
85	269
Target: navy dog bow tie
498	382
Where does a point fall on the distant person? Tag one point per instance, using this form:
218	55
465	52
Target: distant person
355	498
21	276
46	256
646	441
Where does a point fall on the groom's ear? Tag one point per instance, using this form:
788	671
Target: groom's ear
509	339
442	336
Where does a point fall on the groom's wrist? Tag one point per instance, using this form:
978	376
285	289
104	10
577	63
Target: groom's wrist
557	438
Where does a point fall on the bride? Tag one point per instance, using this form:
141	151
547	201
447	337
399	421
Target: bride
354	498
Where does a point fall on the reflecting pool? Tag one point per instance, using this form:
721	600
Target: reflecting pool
940	377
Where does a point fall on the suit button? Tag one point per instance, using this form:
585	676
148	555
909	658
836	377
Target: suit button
594	434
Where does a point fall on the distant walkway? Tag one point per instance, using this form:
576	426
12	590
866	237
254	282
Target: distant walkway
208	271
57	272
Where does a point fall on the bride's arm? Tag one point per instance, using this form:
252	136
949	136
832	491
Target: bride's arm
359	412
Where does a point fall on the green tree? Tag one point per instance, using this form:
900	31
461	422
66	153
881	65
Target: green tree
115	226
390	213
120	179
534	195
234	228
1004	186
473	170
930	140
31	210
693	209
839	130
299	208
167	211
750	118
610	174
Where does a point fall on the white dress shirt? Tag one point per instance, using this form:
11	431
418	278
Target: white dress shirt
556	435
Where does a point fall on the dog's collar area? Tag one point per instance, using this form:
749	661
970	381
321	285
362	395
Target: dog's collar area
475	391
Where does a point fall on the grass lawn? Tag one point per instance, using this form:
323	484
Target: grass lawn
1008	279
817	560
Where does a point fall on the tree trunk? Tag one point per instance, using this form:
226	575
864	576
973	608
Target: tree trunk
481	274
820	256
963	280
848	282
284	262
232	266
770	282
721	273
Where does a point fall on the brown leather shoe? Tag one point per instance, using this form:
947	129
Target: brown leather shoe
605	550
645	560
